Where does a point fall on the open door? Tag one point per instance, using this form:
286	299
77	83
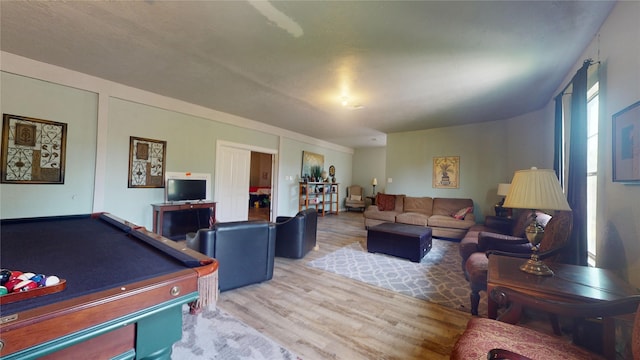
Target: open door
232	180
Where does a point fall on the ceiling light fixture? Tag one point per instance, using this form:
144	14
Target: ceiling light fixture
346	102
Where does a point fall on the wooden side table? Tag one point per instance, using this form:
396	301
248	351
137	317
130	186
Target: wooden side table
570	283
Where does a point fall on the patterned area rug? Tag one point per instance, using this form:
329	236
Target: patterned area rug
437	278
214	334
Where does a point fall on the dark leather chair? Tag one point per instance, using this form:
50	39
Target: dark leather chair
245	251
554	241
296	236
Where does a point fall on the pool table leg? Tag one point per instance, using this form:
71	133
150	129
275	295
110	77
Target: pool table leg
156	334
162	354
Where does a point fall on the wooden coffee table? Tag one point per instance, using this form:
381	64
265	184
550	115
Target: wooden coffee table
570	283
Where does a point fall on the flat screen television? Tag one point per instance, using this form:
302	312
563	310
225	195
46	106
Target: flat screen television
186	187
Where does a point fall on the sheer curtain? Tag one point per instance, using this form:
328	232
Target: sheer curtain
576	182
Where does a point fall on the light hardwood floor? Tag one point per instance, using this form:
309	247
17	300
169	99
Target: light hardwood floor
320	315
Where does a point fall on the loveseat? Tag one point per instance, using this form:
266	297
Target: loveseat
447	217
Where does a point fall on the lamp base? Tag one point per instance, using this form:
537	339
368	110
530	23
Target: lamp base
536	267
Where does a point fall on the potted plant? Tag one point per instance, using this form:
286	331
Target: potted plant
316	171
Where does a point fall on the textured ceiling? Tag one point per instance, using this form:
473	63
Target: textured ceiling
404	65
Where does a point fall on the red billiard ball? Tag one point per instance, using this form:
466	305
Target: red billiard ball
11	283
25	285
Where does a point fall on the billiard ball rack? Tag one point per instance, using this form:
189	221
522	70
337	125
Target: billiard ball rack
39	291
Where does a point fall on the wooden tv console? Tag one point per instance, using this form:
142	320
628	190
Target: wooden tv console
175	220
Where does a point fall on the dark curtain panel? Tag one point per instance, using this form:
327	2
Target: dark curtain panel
558	150
577	178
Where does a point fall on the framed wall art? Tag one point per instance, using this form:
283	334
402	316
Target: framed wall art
312	164
626	144
446	172
146	162
33	150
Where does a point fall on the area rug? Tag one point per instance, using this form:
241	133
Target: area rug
438	278
214	334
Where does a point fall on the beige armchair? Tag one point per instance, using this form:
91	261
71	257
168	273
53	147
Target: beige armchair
355	198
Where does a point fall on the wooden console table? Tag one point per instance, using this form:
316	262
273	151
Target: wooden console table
175	220
570	283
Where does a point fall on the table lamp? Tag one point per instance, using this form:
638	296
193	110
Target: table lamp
374	182
503	190
536	189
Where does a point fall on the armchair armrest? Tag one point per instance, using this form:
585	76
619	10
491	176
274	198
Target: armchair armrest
492	241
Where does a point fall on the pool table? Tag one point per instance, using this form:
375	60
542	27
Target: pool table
125	292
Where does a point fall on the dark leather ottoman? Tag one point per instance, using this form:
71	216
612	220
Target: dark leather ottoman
406	241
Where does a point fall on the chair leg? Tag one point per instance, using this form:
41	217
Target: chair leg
475	301
555	324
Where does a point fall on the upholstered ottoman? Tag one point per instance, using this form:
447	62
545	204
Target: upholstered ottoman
410	242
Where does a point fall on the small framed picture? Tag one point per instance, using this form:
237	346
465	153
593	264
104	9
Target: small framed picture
33	150
446	172
146	162
626	144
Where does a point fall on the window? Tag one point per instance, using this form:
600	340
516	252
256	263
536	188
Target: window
592	170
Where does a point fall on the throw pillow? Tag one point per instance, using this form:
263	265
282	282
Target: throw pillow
356	197
462	212
386	202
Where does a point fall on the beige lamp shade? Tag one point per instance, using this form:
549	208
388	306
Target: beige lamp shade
503	189
536	189
374	181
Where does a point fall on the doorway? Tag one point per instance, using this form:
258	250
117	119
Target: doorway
260	186
234	176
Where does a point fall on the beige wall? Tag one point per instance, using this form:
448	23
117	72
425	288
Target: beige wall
76	108
369	163
485	160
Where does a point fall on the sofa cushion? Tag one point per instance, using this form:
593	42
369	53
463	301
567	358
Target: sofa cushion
386	202
356	197
449	206
483	334
447	221
413	218
422	205
373	212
